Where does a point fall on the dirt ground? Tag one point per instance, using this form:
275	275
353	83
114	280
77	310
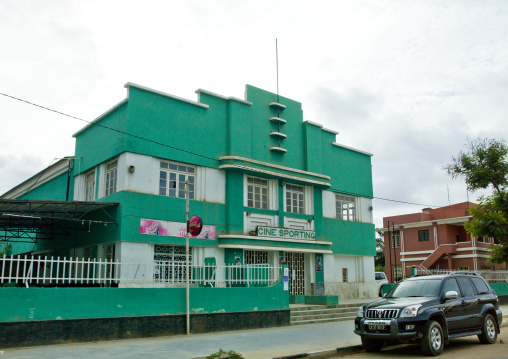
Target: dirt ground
462	348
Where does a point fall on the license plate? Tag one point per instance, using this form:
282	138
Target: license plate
377	326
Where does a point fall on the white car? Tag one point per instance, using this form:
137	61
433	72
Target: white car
381	279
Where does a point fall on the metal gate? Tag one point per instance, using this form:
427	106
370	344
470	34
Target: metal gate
295	263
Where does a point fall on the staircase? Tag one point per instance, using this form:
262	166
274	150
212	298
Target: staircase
310	314
438	254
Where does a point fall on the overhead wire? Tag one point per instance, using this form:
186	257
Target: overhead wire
186	151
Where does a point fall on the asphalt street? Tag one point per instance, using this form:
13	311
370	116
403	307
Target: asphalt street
252	344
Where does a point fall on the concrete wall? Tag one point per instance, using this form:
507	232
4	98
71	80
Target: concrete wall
360	283
28	304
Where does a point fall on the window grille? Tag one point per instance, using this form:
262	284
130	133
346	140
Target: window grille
257	193
255	257
170	262
345	207
295	198
173	177
90	186
111	174
463	268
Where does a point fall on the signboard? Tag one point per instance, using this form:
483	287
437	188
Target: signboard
173	229
195	225
286	233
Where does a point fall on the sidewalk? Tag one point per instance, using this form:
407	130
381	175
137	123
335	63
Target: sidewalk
252	344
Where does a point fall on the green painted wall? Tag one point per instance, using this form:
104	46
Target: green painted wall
25	304
230	255
318	261
350	171
55	190
500	288
227	127
234	200
98	144
354	238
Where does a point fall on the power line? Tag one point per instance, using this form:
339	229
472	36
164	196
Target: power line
109	128
185	151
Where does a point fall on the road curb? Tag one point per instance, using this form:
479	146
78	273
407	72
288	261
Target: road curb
354	349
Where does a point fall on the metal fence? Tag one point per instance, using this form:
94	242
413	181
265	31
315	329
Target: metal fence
44	271
498	276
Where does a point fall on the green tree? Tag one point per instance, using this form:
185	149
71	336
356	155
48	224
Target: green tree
484	164
380	252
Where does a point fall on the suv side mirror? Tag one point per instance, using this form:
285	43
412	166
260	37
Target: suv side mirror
451	295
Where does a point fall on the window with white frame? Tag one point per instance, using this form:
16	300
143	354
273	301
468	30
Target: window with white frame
111	175
257	192
90	186
345	207
173	177
295	198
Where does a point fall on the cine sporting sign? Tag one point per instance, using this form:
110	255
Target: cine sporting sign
286	233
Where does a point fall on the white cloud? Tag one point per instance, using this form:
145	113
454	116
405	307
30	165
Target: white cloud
404	80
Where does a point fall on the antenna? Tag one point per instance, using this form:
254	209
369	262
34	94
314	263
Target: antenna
448	190
277	66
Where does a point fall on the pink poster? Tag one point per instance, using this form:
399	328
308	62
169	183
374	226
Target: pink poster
172	229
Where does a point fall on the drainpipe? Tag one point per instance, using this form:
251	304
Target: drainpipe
68	179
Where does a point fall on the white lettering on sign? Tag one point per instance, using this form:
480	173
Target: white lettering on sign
286	233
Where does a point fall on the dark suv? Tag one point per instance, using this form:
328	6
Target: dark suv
430	310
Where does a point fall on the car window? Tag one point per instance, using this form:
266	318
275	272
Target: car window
416	288
451	284
479	284
466	287
380	276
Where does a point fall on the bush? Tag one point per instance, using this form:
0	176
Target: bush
232	355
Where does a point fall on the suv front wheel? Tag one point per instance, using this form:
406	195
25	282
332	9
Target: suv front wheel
433	339
489	332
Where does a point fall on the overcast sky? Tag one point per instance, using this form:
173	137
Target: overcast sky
405	80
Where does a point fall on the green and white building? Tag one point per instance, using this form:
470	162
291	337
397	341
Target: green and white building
269	187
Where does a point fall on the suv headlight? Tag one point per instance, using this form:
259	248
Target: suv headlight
359	314
411	311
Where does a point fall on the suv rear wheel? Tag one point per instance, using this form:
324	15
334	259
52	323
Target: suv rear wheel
372	345
489	331
433	340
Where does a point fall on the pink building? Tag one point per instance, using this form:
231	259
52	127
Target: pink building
433	239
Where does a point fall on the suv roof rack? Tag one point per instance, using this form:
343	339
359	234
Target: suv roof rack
465	273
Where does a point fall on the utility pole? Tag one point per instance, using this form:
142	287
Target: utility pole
394	247
390	251
187	290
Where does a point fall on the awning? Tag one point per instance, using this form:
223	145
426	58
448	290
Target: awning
26	220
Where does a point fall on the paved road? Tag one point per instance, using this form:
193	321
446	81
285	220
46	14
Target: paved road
252	344
463	348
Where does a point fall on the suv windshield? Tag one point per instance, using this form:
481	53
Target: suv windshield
416	288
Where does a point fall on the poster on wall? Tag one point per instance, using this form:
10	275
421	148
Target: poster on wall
172	229
319	265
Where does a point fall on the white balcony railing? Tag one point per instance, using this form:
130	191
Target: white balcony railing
498	276
52	271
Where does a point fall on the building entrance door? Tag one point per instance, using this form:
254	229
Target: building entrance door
295	262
